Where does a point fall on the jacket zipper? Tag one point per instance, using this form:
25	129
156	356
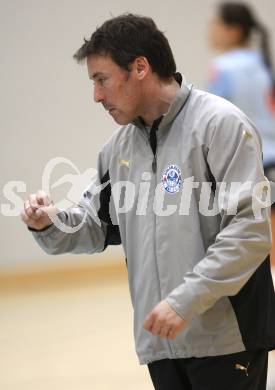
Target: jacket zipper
153	144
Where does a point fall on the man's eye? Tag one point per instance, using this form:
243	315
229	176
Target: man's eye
101	81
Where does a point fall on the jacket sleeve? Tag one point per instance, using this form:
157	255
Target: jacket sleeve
86	227
244	239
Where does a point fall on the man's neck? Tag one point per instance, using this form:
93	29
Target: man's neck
158	99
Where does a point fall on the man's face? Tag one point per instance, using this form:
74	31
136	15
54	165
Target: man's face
118	90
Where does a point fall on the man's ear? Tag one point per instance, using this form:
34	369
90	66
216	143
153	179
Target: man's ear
142	67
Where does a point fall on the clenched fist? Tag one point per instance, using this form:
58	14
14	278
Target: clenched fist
37	211
164	322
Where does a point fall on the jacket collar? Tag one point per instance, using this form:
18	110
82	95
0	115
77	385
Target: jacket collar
175	107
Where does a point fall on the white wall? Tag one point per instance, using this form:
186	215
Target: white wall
46	105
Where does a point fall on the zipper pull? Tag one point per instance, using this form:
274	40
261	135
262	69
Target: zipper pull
154	164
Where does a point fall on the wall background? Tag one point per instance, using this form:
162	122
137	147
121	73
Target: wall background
46	98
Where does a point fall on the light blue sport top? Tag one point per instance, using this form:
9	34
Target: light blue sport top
241	77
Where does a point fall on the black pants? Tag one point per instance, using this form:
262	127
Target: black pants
238	371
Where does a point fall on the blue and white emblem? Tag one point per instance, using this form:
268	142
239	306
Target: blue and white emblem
171	179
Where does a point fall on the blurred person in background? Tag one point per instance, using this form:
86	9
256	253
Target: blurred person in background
243	74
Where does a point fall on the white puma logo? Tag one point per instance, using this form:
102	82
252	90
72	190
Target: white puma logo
240	367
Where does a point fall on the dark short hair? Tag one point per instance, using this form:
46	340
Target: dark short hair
128	36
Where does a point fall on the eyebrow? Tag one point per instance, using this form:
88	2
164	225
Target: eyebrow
96	75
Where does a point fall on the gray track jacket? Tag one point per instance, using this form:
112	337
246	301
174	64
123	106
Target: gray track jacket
212	268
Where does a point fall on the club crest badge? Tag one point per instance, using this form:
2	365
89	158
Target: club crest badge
171	179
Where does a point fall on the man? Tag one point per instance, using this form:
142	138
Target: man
200	280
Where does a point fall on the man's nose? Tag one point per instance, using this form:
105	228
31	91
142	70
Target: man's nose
98	95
